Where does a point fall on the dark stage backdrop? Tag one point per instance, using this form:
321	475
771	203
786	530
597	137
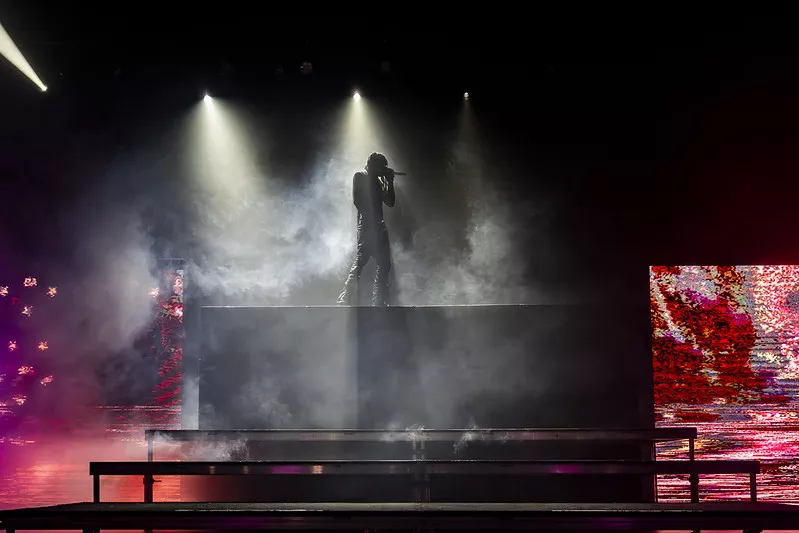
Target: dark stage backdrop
438	367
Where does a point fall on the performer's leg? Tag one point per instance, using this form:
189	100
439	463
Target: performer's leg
351	283
380	292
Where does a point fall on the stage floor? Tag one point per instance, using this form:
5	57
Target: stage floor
431	516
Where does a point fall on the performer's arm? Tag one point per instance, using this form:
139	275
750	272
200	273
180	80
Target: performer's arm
387	185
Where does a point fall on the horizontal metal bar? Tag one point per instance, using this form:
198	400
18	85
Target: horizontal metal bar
457	516
470	508
447	435
235	468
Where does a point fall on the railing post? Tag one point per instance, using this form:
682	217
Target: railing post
694	476
426	478
148	488
417	485
96	488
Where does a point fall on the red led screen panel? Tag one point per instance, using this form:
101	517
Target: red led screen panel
726	360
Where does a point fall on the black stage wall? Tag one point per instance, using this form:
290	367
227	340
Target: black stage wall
437	367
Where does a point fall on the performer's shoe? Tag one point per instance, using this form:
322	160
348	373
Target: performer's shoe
345	298
380	297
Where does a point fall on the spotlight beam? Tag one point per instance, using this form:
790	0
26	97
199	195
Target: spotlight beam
10	51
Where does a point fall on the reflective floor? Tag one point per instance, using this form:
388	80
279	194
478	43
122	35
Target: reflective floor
763	433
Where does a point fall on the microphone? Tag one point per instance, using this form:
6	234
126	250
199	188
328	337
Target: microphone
398	173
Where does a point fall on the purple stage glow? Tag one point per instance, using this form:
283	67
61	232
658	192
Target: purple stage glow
40	463
726	361
23	337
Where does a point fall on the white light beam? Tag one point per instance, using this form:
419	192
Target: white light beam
10	51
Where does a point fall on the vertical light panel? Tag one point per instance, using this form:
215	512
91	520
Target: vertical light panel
726	361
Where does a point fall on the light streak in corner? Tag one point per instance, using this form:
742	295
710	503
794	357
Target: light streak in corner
10	51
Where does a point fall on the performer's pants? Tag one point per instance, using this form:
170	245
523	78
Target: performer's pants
372	243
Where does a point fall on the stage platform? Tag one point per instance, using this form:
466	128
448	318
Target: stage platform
437	366
405	516
443	367
421	435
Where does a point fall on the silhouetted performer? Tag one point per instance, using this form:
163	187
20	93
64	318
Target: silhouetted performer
370	190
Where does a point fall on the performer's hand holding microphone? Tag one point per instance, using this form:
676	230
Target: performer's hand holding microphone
390	173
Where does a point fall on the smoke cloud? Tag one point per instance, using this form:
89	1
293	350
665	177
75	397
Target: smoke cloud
268	249
261	222
266	238
104	274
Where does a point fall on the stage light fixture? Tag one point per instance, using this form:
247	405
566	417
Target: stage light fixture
207	98
465	96
356	96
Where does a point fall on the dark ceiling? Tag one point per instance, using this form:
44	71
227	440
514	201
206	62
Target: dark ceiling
71	42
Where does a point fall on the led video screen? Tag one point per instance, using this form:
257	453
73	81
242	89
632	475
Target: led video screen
726	360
